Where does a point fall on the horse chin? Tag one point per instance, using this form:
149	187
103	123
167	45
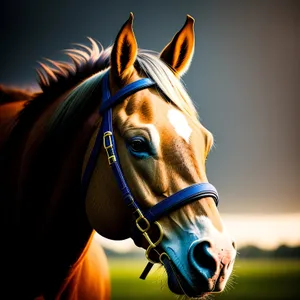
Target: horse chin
177	283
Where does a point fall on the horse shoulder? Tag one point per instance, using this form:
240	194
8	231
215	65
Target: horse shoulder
90	278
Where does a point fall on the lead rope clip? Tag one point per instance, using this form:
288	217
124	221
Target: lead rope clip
141	219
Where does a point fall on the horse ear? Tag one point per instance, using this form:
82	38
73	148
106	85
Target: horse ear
124	51
179	52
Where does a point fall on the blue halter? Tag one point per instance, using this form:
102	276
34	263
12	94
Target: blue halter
105	138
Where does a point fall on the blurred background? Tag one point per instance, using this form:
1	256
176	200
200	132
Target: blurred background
245	82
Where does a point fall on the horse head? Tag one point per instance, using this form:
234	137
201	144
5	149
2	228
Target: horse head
161	150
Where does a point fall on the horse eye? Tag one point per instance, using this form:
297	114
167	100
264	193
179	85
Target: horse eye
138	145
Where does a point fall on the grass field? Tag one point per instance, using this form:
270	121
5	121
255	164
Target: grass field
252	280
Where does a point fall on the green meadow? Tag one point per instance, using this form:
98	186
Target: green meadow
252	280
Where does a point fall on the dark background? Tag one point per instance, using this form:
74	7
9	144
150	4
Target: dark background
244	79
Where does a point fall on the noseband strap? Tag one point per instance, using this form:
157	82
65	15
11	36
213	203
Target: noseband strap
105	138
181	198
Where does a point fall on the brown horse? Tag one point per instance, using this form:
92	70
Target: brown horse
158	148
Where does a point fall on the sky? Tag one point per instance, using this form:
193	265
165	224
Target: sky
244	79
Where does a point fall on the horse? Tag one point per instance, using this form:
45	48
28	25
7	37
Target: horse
111	144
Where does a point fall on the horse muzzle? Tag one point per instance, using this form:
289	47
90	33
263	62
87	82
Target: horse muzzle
196	266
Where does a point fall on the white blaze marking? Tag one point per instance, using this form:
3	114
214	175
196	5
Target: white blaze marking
201	226
179	122
154	135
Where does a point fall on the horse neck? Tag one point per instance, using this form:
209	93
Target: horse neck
48	212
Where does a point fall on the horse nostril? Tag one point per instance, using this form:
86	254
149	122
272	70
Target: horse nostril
202	259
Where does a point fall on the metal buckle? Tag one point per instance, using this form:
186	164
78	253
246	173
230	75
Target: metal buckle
153	245
141	217
108	146
163	254
144	231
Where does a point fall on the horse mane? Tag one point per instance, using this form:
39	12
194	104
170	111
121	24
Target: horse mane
60	77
